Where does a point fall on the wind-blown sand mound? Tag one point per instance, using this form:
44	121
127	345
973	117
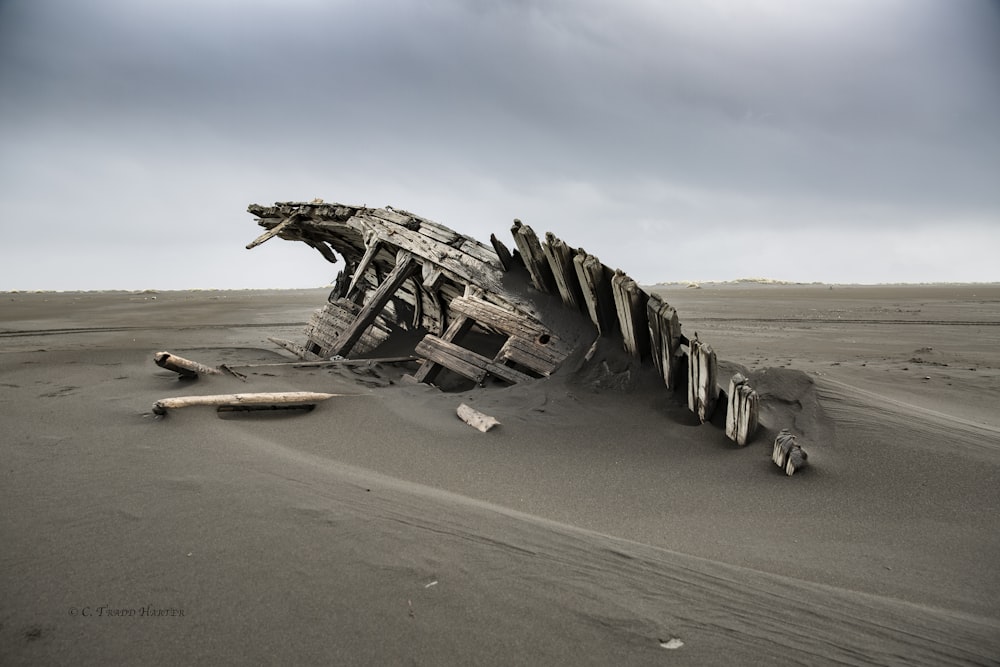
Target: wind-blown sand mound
598	524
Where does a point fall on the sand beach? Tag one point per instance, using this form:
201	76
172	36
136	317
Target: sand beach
600	523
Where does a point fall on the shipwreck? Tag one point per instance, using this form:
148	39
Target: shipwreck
489	312
403	273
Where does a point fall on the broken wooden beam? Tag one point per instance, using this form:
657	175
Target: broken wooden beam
406	264
702	390
534	257
274	231
372	246
475	418
260	400
741	410
183	367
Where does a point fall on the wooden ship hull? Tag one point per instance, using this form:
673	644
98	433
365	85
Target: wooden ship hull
486	311
403	273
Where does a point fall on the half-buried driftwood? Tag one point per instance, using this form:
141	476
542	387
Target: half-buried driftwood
787	454
183	367
476	419
741	410
275	400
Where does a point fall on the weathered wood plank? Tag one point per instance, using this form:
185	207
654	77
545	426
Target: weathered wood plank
406	264
506	259
442	353
458	328
655	335
497	317
534	257
527	354
466	362
464	267
630	304
741	410
328	323
665	339
595	282
560	258
703	391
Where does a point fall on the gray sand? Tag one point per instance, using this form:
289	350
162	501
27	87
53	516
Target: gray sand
590	527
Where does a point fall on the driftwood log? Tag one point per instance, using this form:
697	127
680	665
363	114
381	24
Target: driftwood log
286	398
183	367
741	410
475	418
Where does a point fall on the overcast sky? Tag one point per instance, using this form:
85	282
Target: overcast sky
810	140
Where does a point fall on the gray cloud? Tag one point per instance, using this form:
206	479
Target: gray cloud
803	129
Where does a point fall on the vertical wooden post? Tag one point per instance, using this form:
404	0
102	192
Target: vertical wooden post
741	410
534	257
702	390
596	285
405	266
561	262
630	302
664	338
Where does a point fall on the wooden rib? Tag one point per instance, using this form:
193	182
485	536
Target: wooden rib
560	258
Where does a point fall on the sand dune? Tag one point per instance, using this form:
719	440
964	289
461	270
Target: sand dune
598	524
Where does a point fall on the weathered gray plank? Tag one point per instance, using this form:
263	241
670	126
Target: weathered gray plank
466	362
528	355
560	258
665	339
458	328
630	304
506	259
595	283
703	391
534	257
741	410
